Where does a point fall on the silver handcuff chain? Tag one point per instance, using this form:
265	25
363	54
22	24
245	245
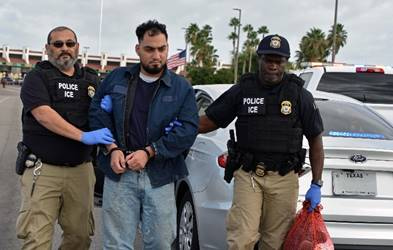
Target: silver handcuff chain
36	173
37	168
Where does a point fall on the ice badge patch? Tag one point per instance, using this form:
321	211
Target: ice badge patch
286	107
91	91
275	42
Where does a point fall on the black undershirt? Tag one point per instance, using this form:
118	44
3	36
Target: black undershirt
138	118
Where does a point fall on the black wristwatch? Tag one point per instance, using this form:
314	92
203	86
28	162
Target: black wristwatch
317	182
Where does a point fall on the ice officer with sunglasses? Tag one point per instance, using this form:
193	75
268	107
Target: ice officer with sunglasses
59	185
273	113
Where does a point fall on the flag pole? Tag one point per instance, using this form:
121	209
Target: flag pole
100	30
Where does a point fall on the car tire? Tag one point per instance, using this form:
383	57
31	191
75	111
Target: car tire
187	232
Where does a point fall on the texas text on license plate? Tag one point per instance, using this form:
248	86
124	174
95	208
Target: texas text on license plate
354	183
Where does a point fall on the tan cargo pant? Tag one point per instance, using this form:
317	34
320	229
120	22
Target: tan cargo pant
61	193
263	209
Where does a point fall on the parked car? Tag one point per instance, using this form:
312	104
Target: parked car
8	80
357	195
370	84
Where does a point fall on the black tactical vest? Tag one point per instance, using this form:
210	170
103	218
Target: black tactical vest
70	97
269	123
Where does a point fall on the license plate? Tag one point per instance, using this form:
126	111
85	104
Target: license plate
357	182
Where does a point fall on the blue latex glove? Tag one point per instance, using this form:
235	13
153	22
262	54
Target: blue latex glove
106	103
314	196
172	125
99	136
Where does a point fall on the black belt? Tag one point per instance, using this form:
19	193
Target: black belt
260	169
66	164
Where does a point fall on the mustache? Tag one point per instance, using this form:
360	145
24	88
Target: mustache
65	53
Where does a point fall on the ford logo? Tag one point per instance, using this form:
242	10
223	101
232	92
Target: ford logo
358	158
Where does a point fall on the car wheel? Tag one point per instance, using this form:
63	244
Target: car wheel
186	225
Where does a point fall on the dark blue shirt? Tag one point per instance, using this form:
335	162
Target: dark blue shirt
138	118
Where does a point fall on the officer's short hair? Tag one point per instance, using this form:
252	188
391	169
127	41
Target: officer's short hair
60	28
153	27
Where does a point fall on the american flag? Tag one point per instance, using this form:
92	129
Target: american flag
176	60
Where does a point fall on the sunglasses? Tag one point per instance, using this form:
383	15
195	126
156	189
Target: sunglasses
60	44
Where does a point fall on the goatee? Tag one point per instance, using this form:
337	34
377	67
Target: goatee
152	70
63	64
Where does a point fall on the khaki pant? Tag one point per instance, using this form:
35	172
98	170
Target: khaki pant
64	194
263	209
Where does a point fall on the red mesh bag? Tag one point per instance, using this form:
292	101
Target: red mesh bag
308	232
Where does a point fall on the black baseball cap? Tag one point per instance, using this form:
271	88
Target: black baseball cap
274	45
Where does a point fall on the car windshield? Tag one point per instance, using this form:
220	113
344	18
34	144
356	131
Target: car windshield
365	87
352	120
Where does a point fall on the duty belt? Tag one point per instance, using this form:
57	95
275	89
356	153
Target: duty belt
65	164
260	169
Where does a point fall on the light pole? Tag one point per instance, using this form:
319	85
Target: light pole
85	49
84	55
334	33
237	45
100	30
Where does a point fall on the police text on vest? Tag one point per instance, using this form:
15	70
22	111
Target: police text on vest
253	110
68	88
255	100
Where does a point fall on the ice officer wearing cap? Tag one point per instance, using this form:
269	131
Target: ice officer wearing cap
273	112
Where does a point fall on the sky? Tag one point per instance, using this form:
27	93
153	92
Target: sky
369	23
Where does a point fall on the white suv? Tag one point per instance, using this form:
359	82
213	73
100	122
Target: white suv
372	85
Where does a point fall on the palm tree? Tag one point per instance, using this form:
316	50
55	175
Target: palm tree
313	47
251	43
203	43
191	32
201	49
243	58
234	22
341	37
191	35
263	30
254	41
300	56
233	37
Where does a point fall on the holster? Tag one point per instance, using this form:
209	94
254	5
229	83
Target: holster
294	163
233	159
247	161
300	160
232	165
23	152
